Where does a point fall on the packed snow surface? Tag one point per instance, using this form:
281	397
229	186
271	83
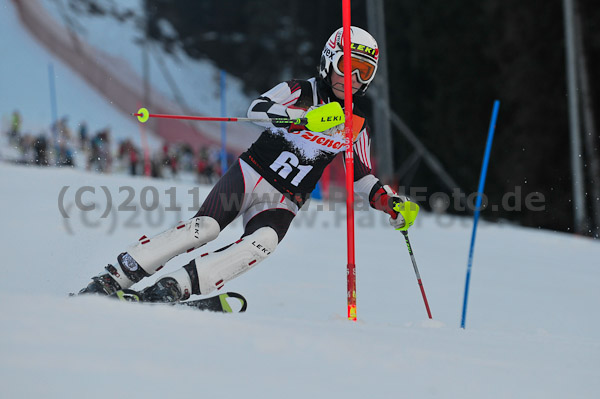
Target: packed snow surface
532	325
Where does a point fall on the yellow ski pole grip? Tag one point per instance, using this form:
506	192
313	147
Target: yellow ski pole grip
409	211
325	117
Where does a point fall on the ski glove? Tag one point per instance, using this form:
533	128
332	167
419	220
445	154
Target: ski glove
401	209
407	213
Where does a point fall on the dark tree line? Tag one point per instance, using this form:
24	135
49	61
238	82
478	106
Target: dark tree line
448	62
461	57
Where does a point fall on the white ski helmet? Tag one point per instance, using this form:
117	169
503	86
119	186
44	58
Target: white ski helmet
365	55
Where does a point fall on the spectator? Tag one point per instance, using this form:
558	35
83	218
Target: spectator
28	155
99	156
40	147
83	135
15	128
133	159
65	155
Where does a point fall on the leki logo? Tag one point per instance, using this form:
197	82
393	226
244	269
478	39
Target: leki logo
361	48
197	229
332	119
261	248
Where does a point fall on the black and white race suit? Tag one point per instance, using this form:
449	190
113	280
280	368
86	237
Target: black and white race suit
277	174
294	160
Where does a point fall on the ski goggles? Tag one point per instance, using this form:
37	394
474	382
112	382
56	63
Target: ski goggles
364	69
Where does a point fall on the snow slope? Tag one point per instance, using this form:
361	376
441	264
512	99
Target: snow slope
532	326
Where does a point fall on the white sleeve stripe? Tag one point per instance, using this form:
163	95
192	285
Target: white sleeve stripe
362	147
365	144
281	95
362	151
278	93
369	152
292	100
358	149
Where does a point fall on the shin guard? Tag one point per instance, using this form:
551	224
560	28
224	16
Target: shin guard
216	268
152	253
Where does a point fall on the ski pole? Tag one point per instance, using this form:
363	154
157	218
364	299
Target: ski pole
317	120
414	262
143	115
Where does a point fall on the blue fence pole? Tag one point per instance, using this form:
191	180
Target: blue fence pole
53	106
486	158
223	126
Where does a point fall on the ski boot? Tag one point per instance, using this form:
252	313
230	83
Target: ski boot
164	290
102	284
124	275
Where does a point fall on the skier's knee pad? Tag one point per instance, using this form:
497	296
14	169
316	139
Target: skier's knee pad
152	253
216	268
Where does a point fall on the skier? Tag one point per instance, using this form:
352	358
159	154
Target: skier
266	186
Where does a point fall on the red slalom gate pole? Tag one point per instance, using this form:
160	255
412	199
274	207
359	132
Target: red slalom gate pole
351	267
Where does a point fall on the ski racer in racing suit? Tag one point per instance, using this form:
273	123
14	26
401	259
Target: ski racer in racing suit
267	185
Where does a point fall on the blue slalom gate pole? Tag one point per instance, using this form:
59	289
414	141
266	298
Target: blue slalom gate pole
486	158
223	126
53	106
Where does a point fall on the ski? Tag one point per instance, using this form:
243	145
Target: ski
216	303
